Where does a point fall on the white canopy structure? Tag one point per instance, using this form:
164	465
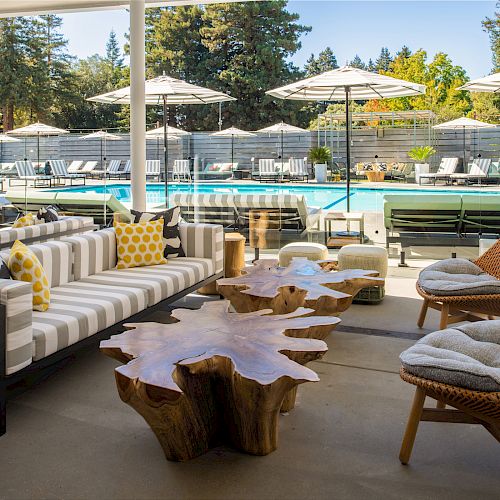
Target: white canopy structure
164	90
282	128
343	84
7	138
171	131
233	132
11	8
36	130
103	136
490	83
463	124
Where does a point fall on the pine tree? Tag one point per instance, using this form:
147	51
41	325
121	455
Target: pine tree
371	66
357	63
326	61
113	53
492	27
383	61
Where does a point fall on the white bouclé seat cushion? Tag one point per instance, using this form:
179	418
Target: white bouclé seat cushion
308	250
457	277
467	356
369	257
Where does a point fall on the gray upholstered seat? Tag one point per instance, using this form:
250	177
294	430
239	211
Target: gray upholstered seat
457	277
161	281
78	310
466	356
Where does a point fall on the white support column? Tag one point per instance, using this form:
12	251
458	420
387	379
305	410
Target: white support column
137	105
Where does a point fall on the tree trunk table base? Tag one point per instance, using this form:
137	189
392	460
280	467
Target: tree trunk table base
216	377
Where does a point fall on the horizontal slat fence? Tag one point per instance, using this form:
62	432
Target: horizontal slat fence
387	144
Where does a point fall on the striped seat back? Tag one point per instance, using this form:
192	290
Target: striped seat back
89	166
114	165
126	168
58	167
181	167
207	208
75	166
447	166
267	166
480	167
298	166
152	167
25	168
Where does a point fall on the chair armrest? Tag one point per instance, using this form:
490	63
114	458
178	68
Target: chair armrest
205	241
16	308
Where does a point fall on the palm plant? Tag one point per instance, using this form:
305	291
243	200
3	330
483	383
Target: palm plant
319	155
421	153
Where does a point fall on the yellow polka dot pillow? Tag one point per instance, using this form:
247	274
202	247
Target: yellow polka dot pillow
139	244
25	266
25	220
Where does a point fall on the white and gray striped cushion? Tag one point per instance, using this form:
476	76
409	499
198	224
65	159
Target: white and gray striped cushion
205	241
161	281
78	310
93	252
62	225
17	298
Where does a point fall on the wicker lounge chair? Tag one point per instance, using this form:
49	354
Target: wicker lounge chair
436	366
456	306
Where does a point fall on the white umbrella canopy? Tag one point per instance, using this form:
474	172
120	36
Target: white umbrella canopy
171	131
490	83
36	130
165	90
233	132
282	128
103	136
7	138
463	124
343	84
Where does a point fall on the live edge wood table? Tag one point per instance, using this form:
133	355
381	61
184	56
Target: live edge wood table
216	376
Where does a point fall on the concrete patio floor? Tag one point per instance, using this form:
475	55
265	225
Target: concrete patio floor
72	437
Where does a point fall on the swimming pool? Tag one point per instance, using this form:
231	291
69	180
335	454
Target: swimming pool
327	197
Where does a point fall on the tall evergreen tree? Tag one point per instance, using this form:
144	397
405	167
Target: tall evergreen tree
492	27
384	60
371	66
326	61
113	52
357	63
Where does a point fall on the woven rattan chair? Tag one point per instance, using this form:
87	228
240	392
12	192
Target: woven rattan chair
471	407
456	308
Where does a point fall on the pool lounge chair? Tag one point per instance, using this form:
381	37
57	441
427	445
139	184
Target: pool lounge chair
181	170
60	171
75	166
31	201
403	172
447	167
298	169
153	169
88	168
112	168
26	173
289	212
268	172
478	172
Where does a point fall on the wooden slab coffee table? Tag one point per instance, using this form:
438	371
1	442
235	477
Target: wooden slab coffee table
215	376
302	284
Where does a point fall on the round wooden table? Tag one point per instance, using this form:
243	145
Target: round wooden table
375	176
234	260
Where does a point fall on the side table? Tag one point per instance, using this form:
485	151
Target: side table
349	217
234	260
375	176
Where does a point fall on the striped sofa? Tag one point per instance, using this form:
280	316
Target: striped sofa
89	296
45	231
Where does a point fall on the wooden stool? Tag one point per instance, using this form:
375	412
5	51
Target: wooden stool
262	226
234	260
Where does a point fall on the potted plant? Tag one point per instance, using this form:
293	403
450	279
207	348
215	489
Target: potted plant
319	157
421	154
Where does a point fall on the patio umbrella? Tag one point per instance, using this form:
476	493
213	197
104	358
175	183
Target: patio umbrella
6	138
463	124
490	83
343	84
173	134
103	137
233	132
282	128
165	90
36	130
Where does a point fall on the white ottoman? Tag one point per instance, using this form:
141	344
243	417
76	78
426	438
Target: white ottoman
365	257
311	251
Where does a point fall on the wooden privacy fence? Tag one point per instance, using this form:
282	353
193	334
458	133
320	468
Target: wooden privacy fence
387	144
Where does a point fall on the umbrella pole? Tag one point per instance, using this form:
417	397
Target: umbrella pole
105	180
232	150
348	149
465	163
165	146
38	148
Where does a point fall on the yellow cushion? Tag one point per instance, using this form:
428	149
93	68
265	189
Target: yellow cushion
25	220
25	266
139	244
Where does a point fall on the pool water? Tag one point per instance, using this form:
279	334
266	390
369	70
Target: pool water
327	197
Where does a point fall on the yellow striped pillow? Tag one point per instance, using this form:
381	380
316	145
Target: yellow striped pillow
139	244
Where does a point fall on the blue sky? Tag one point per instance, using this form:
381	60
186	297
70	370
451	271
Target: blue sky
349	27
